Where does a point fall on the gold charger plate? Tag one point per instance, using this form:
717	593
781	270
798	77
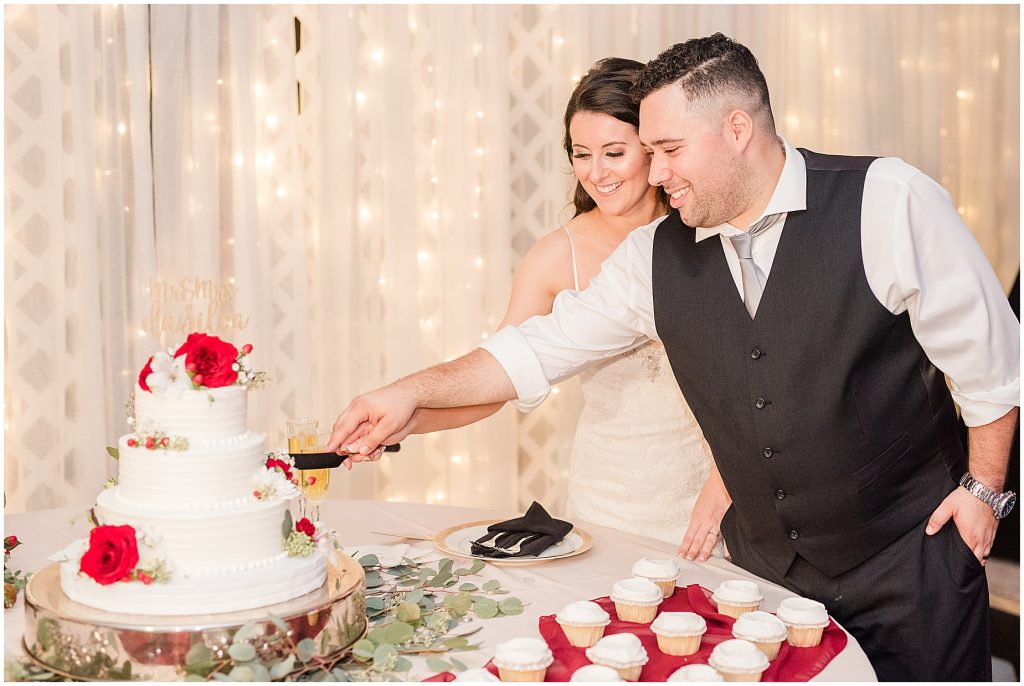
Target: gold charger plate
468	531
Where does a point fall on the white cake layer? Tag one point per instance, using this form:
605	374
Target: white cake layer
207	414
198	478
285	579
204	542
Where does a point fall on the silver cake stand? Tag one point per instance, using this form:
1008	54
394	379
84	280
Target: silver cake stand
82	643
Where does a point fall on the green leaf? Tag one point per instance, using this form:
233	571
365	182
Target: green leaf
402	665
458	604
408	612
114	452
414	596
339	674
278	622
337	584
286	524
393	633
194	677
219	676
376	603
458	665
304	651
469	587
383	656
511	606
476	566
492	585
370	560
445	565
363	650
400	570
485	608
259	672
374	580
440	579
247	631
455	642
241	673
462	571
47	632
199	653
438	665
242	652
283	668
427	604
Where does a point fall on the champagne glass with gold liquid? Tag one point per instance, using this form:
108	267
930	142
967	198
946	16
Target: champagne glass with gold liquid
314	482
301	438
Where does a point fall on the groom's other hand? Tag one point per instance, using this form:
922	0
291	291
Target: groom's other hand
706	519
972	518
371	420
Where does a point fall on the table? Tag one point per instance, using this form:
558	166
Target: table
544	588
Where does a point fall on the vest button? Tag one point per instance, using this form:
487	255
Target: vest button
780	494
755	353
767	452
794	534
760	403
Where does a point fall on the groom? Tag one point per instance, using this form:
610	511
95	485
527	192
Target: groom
807	303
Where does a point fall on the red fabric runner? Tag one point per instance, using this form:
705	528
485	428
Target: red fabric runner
792	664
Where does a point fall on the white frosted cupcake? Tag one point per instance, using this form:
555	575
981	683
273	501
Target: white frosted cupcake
622	652
591	673
734	597
523	659
662	572
476	675
738	660
806	620
764	630
679	633
636	600
583	622
702	673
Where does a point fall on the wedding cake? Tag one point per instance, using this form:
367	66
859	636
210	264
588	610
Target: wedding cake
197	520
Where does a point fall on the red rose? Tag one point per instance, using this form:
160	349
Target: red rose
212	358
112	554
11	542
304	526
146	371
274	463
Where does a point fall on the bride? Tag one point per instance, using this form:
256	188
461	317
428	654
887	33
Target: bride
639	459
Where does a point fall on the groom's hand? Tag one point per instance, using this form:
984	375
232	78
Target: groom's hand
371	421
972	518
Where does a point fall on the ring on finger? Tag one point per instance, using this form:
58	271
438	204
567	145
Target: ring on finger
713	531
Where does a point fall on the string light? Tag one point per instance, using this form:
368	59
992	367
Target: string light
239	159
479	262
360	97
282	191
378	55
272	121
836	71
121	128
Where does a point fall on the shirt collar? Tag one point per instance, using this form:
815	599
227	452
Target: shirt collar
790	193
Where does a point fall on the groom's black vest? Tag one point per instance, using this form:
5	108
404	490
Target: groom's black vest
833	431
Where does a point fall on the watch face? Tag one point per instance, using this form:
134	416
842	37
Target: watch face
1005	505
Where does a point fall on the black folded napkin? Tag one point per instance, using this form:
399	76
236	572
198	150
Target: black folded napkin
531	534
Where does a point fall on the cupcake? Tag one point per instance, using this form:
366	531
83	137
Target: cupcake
622	652
806	620
679	633
764	630
522	659
662	572
476	675
583	622
636	600
738	660
734	597
595	673
695	673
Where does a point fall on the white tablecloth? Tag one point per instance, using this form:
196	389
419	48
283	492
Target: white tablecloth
544	588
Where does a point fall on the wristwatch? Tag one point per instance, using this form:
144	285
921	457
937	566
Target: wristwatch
1001	503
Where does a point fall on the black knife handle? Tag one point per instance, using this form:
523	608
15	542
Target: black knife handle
329	460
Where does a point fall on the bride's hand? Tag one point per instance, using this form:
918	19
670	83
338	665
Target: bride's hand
706	520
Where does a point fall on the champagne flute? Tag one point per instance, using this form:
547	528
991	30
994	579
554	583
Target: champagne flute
314	482
301	438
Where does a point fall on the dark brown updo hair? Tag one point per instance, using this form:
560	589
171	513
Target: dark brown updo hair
605	90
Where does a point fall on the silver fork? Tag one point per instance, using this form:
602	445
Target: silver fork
519	544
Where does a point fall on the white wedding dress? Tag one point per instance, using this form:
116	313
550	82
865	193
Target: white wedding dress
639	458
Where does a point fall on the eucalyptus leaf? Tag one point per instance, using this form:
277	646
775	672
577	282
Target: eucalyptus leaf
374	580
287	524
402	665
278	622
247	631
219	676
363	649
259	672
414	596
511	606
241	673
408	612
476	566
438	665
393	633
458	604
370	560
339	674
198	653
462	571
384	657
427	604
458	665
469	587
194	677
114	452
455	642
376	603
445	565
492	585
304	650
242	652
283	668
485	608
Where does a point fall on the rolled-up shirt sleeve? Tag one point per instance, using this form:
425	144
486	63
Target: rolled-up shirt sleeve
920	257
614	314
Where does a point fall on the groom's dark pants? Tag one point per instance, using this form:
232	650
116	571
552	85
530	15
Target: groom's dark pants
918	608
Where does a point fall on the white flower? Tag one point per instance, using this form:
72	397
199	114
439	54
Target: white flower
168	377
272	484
324	536
284	456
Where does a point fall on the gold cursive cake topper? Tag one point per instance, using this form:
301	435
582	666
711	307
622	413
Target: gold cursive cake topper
192	304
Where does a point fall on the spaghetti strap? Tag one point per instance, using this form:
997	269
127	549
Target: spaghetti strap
572	248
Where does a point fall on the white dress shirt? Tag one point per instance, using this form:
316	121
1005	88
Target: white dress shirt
919	258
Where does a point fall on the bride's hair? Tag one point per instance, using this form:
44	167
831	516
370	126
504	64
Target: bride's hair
605	89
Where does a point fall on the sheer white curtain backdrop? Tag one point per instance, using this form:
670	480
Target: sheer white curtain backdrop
360	182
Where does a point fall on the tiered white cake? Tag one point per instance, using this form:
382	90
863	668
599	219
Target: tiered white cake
195	514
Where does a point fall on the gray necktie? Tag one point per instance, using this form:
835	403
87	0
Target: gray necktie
753	277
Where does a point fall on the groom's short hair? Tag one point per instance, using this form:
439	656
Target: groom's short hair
710	70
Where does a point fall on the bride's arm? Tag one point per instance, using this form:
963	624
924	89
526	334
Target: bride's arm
707	514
